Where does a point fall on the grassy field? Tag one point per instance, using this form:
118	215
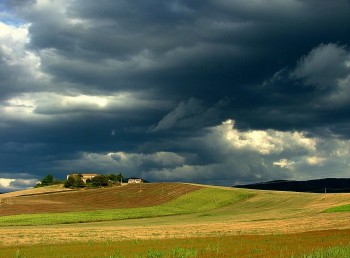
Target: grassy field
202	222
197	201
337	252
310	244
341	208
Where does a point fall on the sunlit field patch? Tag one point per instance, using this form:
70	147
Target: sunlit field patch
341	208
309	244
198	201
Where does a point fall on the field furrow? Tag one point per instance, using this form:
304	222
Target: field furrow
127	196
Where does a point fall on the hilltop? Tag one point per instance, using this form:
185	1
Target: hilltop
56	198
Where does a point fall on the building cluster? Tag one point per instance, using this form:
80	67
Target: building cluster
85	177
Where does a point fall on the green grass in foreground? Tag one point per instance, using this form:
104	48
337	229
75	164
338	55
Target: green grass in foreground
332	243
198	201
338	252
342	208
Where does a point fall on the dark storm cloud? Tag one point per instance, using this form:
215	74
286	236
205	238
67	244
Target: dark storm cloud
147	86
177	46
311	94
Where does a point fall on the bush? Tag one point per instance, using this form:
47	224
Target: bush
99	181
47	180
74	182
115	178
79	183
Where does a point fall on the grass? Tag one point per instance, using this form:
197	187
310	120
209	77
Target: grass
222	209
341	208
305	245
202	200
338	252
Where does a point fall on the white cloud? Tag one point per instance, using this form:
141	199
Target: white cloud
13	41
284	163
45	105
13	38
264	142
5	182
13	184
315	161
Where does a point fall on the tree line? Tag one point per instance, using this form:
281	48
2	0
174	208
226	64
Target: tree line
76	181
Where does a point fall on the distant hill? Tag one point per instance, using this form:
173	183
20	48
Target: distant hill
329	185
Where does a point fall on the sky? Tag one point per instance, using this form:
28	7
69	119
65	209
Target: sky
217	92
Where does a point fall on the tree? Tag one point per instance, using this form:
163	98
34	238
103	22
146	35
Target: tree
70	182
115	178
112	177
47	180
79	183
120	177
99	181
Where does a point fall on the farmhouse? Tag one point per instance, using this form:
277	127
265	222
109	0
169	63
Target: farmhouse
135	181
84	176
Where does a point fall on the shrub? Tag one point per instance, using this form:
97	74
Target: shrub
99	181
79	183
74	182
47	180
115	178
70	182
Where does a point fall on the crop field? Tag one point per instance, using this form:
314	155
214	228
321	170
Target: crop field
175	220
204	199
308	244
128	196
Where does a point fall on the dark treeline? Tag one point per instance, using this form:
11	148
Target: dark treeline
77	181
327	185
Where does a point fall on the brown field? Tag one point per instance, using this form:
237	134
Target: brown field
58	199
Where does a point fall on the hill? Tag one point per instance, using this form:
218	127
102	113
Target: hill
58	199
328	185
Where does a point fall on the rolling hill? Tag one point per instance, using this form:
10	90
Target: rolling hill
163	210
59	199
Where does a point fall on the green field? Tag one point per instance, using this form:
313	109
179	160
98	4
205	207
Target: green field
205	199
341	208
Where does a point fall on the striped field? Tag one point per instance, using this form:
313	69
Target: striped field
161	220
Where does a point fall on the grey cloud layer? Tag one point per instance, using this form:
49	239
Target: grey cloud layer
161	76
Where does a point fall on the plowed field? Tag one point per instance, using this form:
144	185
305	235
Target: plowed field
127	196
